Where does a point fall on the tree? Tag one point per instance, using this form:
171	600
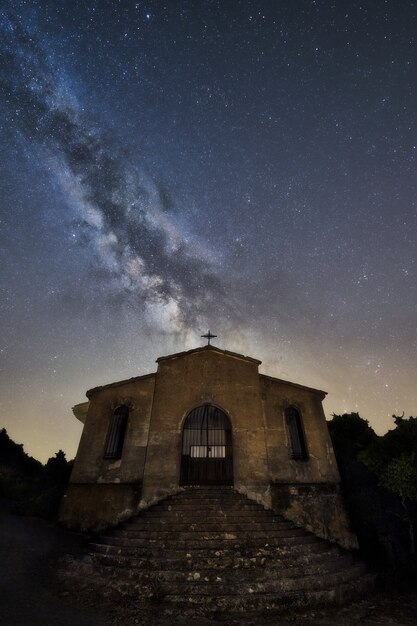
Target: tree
35	489
58	469
351	434
393	458
13	455
351	430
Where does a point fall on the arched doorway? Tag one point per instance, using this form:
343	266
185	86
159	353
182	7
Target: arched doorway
206	452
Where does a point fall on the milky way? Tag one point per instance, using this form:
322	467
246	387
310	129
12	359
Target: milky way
247	166
142	257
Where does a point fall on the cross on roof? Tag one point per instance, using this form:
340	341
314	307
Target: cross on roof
208	336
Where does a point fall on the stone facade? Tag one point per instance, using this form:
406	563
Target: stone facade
301	484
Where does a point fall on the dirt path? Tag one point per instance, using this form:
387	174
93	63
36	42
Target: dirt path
29	548
30	595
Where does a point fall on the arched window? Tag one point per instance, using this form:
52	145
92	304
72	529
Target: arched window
296	434
116	434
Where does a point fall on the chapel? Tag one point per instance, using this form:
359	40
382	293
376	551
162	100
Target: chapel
206	417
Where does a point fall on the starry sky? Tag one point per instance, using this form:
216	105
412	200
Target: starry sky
173	166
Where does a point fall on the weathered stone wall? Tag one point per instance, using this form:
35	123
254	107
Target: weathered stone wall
93	507
305	491
90	464
190	380
318	508
321	464
123	476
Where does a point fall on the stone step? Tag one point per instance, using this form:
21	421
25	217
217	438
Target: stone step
225	525
216	541
228	549
231	570
213	503
208	583
199	488
201	494
238	603
198	533
195	515
230	556
213	549
247	528
213	508
229	496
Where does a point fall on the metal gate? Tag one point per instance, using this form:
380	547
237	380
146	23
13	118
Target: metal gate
207	456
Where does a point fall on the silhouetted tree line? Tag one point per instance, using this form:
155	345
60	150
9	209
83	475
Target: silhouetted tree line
33	488
379	480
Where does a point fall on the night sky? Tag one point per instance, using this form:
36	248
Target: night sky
169	167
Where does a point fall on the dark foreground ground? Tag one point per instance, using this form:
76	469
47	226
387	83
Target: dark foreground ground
30	594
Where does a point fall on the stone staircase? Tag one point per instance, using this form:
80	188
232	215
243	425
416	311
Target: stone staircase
214	549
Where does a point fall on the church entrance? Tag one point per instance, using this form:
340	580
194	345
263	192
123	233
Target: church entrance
207	456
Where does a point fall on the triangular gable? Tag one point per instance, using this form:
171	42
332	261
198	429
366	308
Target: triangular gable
234	355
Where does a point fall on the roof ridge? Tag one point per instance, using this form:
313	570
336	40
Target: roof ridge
212	348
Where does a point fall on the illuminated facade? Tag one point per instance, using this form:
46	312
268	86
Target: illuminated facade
206	417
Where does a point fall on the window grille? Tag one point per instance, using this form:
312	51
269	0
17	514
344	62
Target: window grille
296	434
116	433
